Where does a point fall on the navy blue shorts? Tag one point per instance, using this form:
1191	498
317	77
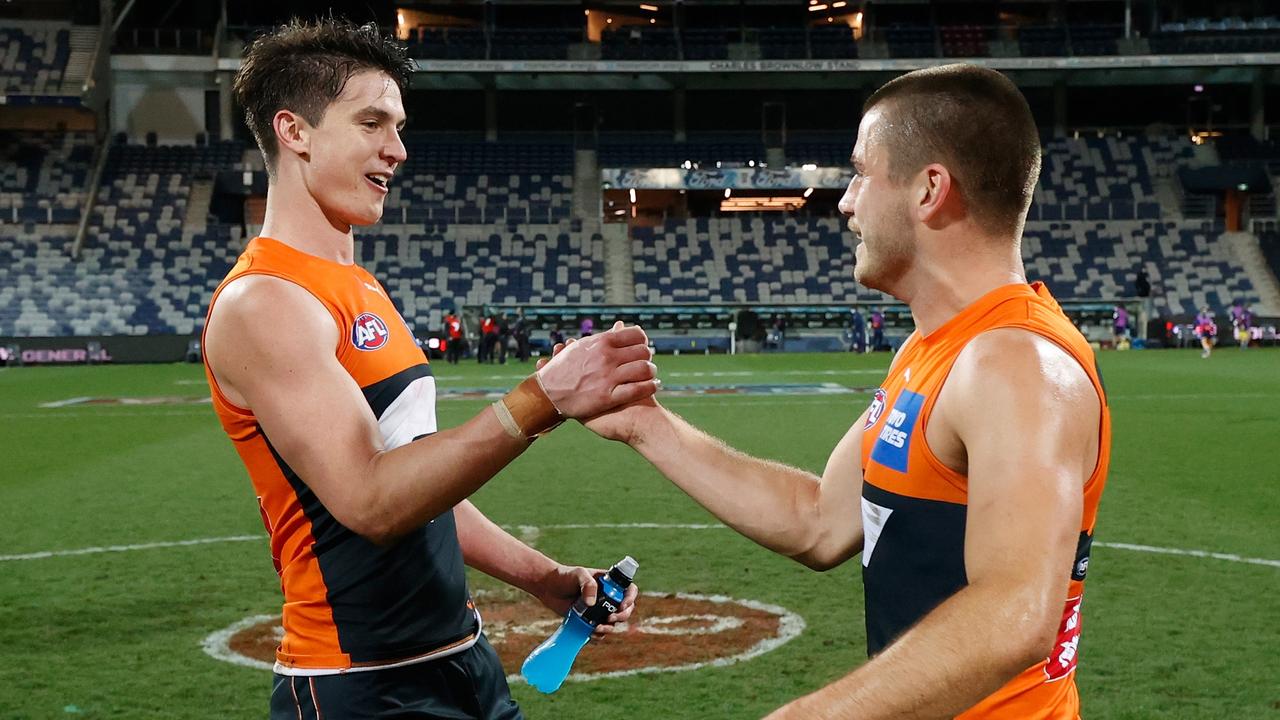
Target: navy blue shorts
470	685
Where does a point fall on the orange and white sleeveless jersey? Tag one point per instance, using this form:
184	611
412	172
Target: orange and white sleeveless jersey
350	604
914	507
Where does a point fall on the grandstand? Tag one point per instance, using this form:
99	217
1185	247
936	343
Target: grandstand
129	237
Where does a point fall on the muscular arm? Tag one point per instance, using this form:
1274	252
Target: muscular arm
1027	416
271	345
815	520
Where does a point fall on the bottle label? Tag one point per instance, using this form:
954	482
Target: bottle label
608	602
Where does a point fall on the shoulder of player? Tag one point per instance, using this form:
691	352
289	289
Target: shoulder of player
1022	366
265	312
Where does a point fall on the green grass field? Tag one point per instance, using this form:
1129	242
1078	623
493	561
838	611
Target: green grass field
118	634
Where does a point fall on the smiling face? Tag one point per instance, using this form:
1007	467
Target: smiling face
354	151
877	209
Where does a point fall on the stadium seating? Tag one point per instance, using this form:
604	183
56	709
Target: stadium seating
450	265
782	43
961	41
834	43
1094	39
474	223
32	61
522	182
1229	35
707	44
661	150
43	175
533	43
447	43
1092	178
752	258
1188	265
639	43
1042	41
746	258
911	41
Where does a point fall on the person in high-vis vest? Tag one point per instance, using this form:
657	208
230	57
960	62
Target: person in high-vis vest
330	404
970	484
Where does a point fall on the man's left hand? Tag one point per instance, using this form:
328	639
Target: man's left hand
560	588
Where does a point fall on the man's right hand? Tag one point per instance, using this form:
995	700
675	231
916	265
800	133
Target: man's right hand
626	424
600	372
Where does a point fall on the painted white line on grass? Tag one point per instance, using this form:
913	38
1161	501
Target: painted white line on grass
64	403
130	548
108	412
446	380
1197	396
1229	557
535	530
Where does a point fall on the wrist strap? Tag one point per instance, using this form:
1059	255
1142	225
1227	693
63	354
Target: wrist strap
527	411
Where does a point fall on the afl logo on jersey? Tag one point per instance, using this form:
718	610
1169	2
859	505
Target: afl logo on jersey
877	407
369	332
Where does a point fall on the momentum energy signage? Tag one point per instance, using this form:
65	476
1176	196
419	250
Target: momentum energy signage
720	178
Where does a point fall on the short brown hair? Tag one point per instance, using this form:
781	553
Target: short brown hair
974	121
304	66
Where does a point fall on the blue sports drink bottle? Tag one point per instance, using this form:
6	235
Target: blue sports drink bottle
549	663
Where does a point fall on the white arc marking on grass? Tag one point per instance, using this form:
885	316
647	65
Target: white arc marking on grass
218	644
527	529
790	625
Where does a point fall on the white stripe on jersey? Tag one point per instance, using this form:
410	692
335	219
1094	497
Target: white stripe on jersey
412	414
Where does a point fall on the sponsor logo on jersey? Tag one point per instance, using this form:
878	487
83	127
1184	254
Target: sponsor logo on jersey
369	332
877	407
893	445
1083	547
1062	661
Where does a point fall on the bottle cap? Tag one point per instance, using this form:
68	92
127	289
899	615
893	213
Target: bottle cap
627	566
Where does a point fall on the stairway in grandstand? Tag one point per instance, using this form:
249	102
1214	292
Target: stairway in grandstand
196	218
83	42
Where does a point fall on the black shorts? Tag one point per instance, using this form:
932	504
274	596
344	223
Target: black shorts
470	685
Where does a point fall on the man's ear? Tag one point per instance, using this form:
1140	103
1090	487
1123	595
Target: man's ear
293	133
935	190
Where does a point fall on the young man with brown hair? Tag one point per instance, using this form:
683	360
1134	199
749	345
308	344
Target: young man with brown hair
970	485
331	405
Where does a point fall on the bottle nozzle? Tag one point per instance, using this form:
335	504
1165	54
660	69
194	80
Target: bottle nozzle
627	566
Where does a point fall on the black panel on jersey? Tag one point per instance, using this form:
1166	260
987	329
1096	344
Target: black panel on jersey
389	602
381	394
917	563
1084	546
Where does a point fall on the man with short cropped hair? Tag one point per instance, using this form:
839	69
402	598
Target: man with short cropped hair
971	482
